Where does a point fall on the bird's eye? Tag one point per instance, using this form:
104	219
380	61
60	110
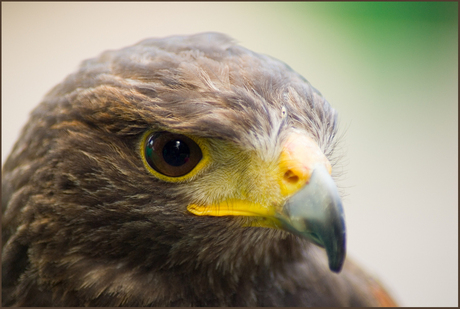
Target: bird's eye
170	154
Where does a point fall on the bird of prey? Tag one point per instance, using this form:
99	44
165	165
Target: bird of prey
180	171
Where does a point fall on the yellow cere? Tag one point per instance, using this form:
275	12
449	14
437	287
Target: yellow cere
299	157
201	142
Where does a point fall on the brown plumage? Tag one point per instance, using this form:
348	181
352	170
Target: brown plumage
87	222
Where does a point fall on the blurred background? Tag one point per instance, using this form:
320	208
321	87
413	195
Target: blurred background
389	68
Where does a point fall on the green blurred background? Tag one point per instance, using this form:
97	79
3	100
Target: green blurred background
389	68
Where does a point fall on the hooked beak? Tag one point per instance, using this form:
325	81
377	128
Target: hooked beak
315	212
312	208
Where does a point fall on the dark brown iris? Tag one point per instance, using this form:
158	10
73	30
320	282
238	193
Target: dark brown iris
171	154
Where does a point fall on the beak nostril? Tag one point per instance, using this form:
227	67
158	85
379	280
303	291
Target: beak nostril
290	177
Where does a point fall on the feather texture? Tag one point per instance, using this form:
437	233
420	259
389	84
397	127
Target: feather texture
84	223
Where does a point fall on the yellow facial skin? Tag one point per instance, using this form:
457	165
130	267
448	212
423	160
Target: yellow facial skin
299	156
237	183
232	207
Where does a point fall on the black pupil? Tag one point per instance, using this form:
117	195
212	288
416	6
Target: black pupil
176	153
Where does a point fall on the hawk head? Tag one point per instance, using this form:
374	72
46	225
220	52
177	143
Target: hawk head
182	159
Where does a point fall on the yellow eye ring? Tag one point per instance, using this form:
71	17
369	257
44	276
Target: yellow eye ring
153	142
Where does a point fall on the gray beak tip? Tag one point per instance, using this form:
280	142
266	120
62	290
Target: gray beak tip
337	257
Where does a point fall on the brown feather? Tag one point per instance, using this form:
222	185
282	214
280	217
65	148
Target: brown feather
85	224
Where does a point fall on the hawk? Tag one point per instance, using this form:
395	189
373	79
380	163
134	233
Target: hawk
180	171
